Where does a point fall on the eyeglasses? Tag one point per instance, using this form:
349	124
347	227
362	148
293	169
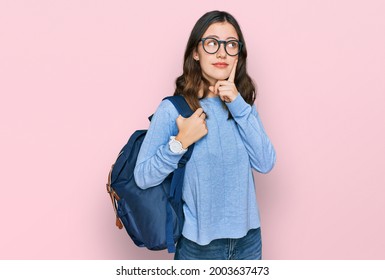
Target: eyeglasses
212	45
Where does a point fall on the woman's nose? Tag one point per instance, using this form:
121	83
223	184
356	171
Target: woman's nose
221	51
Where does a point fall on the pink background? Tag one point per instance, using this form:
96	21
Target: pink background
78	77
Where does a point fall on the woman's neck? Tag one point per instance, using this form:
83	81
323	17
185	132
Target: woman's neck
210	94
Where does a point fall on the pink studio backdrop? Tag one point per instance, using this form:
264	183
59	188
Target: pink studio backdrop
78	77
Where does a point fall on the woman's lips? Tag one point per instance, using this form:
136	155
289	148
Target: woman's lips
220	65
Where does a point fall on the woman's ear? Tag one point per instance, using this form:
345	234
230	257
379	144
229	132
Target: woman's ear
195	55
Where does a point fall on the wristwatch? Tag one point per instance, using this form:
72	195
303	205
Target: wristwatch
176	146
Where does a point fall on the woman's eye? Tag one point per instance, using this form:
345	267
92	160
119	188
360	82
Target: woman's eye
232	44
211	43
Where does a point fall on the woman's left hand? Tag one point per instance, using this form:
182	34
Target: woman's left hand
226	89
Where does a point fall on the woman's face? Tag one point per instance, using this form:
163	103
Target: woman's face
217	66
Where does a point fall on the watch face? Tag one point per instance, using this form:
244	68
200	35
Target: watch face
175	146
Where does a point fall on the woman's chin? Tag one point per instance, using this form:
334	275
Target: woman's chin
216	77
220	77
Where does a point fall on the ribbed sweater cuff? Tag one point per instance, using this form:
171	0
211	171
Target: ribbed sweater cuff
170	156
239	107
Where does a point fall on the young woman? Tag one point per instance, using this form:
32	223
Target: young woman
220	207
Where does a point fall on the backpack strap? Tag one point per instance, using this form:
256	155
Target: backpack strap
114	199
181	105
185	111
177	180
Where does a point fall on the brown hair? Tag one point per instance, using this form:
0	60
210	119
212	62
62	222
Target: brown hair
190	82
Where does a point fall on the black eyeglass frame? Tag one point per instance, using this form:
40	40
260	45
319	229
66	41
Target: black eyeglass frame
219	45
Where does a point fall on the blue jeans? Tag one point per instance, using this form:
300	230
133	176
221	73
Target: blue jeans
248	247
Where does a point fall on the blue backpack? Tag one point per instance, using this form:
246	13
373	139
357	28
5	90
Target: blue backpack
153	217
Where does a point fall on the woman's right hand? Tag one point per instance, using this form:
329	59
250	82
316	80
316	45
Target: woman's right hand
191	129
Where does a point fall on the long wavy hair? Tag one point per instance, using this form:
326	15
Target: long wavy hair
191	81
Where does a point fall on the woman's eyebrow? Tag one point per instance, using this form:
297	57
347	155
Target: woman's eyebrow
215	36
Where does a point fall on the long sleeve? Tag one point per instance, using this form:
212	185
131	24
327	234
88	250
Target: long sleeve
258	145
155	160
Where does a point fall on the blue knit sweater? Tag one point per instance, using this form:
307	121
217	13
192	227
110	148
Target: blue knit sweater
218	190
